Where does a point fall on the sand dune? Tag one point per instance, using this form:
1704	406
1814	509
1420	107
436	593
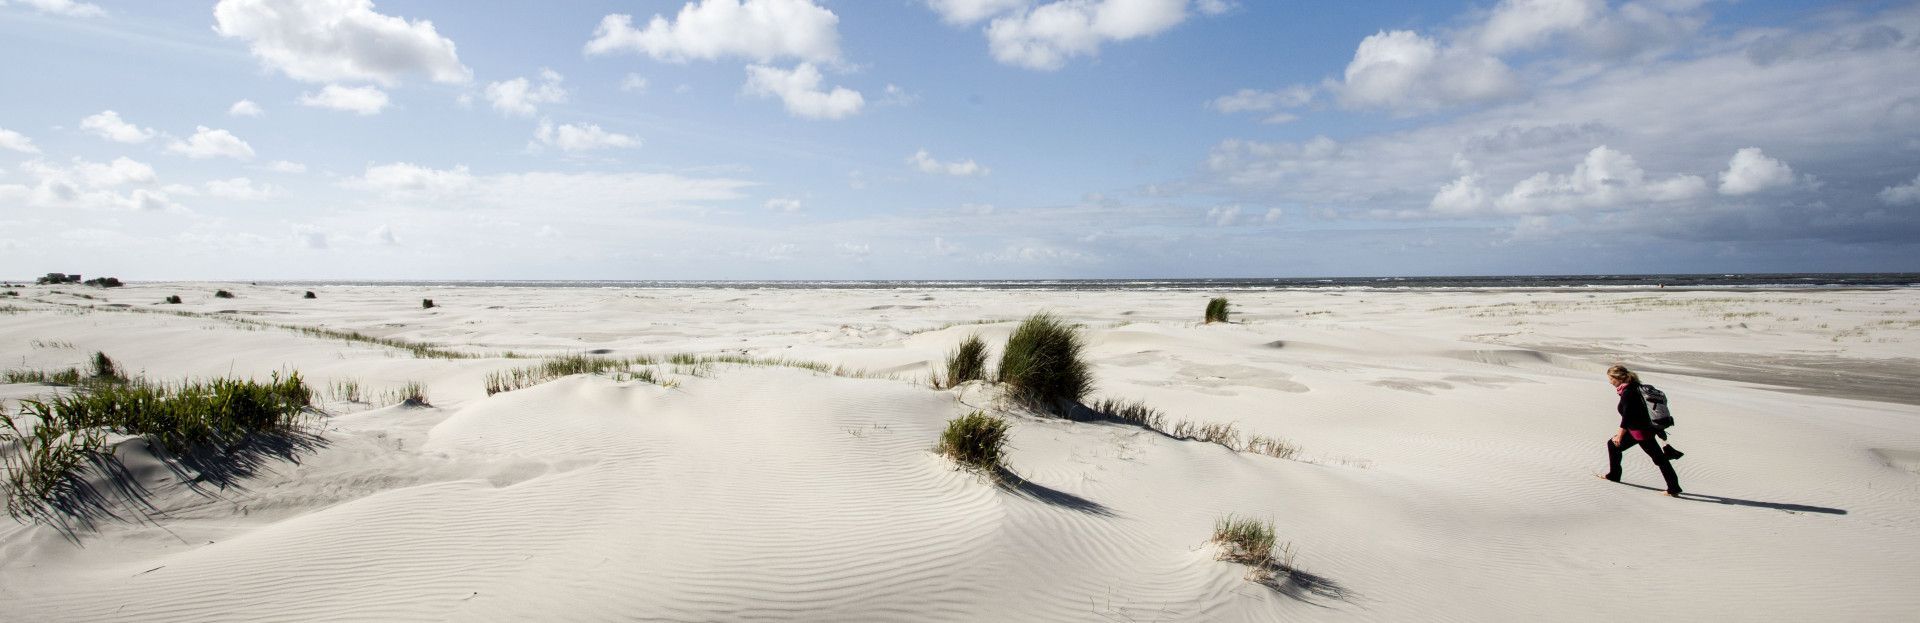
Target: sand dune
1449	441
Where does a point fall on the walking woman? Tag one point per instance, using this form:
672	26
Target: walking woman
1636	429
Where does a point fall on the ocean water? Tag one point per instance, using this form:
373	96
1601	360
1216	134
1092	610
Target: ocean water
1762	281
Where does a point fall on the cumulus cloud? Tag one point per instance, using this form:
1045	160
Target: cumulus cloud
1751	171
1902	194
1046	36
633	83
1522	24
405	178
1606	179
365	100
926	163
64	7
211	143
16	141
1405	71
787	205
759	30
339	41
582	137
586	195
245	108
521	97
240	189
94	185
799	89
1222	216
107	124
1255	100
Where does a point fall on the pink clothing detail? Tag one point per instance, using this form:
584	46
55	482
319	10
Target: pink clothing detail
1639	435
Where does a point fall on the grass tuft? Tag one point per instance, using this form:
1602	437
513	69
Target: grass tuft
975	441
1042	365
222	294
345	390
426	303
1217	310
1272	446
1135	413
1245	541
968	362
309	295
173	299
412	394
104	368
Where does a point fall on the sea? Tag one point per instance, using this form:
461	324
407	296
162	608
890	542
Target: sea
1749	281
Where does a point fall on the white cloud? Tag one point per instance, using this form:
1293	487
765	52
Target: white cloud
339	41
383	235
1605	180
245	108
967	12
926	163
942	247
1405	71
404	178
1222	216
240	189
1254	100
108	125
522	98
893	95
1751	171
310	237
93	185
787	205
570	137
759	30
633	83
799	89
1522	24
365	100
283	166
1903	194
64	7
16	141
855	252
1461	196
1046	36
210	143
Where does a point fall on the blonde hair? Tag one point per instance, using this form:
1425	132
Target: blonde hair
1621	374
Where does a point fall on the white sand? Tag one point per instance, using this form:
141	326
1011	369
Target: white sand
1450	442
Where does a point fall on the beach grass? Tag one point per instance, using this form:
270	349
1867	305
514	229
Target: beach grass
1245	541
976	441
1216	310
1042	364
222	294
173	299
968	362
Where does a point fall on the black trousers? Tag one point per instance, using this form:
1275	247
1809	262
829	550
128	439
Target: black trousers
1653	452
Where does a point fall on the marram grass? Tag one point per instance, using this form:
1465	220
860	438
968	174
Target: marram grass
975	441
1042	364
968	362
1216	310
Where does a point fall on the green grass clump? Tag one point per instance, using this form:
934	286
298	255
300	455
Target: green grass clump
173	299
975	440
43	462
1271	446
412	394
346	390
1245	541
1042	365
222	294
968	362
567	365
426	303
309	295
182	415
1217	310
69	376
104	368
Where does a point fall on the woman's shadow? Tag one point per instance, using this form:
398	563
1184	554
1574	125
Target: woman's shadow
1779	506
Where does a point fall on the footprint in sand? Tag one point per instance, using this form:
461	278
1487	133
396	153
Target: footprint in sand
1411	385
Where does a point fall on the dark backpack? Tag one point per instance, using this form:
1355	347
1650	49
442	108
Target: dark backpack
1657	407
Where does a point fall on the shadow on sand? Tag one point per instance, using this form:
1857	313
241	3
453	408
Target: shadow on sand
112	491
1779	506
1032	490
1304	586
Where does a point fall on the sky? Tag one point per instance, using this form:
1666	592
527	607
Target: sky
955	139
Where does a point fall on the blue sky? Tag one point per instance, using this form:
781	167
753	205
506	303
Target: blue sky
798	139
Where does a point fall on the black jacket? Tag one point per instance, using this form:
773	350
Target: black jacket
1633	409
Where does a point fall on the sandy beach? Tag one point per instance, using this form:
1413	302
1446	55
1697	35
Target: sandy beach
1448	443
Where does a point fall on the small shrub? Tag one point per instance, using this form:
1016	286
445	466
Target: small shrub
968	362
309	295
1217	310
173	299
426	303
57	279
1245	541
975	441
103	367
222	294
104	282
1042	366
